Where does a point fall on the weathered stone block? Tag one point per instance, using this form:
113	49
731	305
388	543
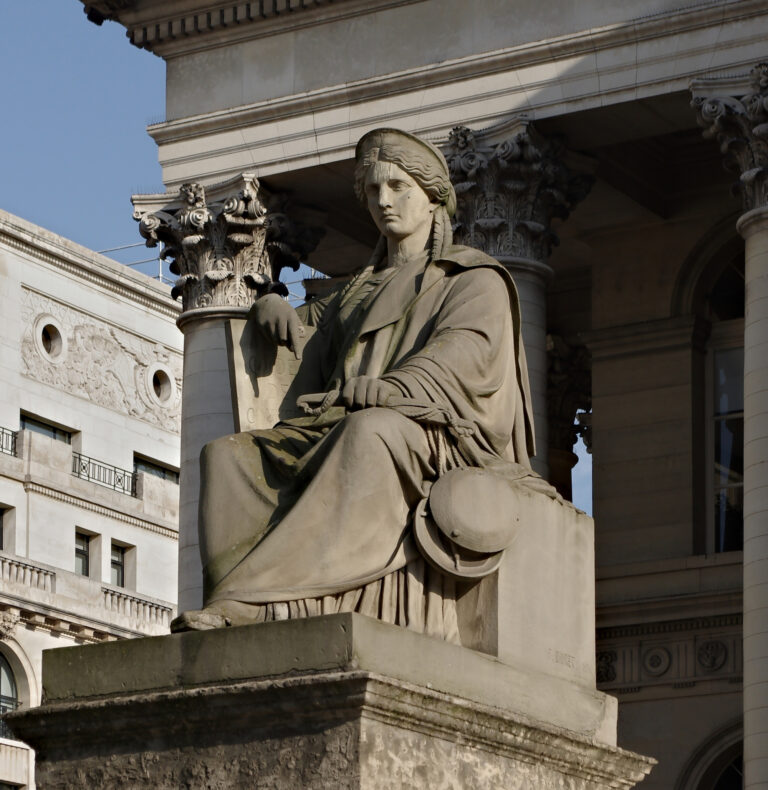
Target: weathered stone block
340	701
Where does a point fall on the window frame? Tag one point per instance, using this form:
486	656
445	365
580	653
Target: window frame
83	553
119	565
28	422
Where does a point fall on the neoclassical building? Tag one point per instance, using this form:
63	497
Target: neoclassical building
587	142
90	366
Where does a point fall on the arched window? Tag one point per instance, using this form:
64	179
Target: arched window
732	777
717	763
9	698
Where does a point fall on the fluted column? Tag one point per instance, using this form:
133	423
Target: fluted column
227	249
511	183
738	119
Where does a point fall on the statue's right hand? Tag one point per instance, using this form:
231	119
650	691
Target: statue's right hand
278	321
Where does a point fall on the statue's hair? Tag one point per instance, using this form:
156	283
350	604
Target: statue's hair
423	168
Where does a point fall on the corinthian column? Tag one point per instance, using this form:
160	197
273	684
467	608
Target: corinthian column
510	185
737	117
227	249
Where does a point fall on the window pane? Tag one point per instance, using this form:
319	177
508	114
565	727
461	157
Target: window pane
151	468
729	519
7	681
116	575
729	450
51	431
81	565
729	381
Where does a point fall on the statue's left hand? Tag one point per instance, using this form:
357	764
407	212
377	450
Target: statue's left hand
364	392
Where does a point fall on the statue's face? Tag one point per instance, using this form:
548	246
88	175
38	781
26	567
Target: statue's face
398	205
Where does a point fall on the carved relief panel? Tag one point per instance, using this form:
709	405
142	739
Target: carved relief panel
95	360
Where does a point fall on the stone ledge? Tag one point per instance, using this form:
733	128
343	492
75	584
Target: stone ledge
346	642
239	718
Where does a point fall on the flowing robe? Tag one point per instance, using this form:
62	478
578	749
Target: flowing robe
313	516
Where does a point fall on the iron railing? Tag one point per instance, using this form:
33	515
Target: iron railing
7	441
7	705
108	476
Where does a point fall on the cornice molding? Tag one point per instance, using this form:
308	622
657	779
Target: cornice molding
60	496
178	28
670	626
98	270
665	334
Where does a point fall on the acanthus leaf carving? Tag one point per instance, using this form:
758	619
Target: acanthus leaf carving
227	250
508	193
740	126
123	360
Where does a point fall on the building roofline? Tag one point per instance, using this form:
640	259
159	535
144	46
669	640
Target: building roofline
84	263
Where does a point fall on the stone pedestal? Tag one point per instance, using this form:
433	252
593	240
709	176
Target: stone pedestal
340	701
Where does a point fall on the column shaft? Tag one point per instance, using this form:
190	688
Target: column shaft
754	227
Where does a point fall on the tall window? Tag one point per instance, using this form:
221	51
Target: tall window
117	566
9	699
726	409
728	430
82	554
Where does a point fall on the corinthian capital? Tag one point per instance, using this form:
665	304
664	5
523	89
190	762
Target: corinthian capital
736	115
509	191
226	246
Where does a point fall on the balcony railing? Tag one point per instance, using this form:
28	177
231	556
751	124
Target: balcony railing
7	441
108	476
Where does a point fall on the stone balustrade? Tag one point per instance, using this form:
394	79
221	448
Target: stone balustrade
17	572
141	609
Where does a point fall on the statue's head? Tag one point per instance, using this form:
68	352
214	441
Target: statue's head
425	164
421	160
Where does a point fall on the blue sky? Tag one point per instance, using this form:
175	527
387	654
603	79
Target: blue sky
76	100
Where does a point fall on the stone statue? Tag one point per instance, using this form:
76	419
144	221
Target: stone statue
400	479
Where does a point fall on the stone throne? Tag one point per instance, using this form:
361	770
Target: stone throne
336	701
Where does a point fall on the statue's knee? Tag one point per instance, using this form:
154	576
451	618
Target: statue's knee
374	422
216	449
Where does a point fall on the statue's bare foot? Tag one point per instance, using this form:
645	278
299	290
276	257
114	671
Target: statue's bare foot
199	620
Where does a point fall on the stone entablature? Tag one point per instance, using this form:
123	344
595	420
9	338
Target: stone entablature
209	138
678	653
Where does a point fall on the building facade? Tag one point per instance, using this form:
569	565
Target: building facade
90	372
580	124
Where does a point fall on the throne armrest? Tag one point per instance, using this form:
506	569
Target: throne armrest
266	379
